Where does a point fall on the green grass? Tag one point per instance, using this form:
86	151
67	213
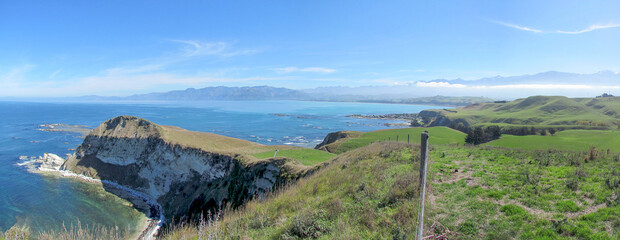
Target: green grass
518	194
543	112
372	193
369	193
438	135
575	140
306	156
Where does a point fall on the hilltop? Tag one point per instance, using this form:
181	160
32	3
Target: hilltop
538	111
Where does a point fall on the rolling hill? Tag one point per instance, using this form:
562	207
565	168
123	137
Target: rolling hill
539	111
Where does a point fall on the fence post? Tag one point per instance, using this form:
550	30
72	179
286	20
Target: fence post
396	138
423	161
407	138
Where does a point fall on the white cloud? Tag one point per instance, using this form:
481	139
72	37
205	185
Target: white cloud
138	69
523	28
193	48
308	69
115	85
55	73
544	86
591	28
588	29
439	85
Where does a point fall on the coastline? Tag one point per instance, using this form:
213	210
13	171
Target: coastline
150	224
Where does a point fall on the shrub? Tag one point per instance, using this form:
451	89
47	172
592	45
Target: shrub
307	225
529	175
612	181
572	183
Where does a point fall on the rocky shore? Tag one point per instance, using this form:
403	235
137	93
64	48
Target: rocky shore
51	163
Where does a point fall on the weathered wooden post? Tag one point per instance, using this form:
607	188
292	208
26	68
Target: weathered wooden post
275	153
396	138
407	138
389	139
423	161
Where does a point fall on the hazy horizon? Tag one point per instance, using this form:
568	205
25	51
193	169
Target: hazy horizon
116	48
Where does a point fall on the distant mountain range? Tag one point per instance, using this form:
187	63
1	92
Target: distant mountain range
497	87
225	93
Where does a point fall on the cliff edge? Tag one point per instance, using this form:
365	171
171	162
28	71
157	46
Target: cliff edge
186	172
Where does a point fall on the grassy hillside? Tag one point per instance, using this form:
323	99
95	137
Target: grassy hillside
438	135
306	156
544	111
575	140
368	193
475	193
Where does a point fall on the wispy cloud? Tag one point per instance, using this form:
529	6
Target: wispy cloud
14	76
108	85
189	50
591	28
534	30
193	48
308	69
518	27
52	75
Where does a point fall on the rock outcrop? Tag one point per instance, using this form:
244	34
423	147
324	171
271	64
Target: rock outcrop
332	141
437	118
186	172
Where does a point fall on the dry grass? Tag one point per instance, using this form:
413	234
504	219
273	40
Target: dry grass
72	233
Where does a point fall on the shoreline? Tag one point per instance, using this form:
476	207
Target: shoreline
150	224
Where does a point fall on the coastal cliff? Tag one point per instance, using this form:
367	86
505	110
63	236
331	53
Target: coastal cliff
187	173
333	140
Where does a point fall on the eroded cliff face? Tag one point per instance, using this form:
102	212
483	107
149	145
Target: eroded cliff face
184	180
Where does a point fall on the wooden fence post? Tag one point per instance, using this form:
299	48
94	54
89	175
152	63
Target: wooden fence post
423	162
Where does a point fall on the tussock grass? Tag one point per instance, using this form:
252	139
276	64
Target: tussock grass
367	193
72	233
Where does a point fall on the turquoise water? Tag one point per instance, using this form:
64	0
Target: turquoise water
45	203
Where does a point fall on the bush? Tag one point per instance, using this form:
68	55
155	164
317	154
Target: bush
572	183
307	225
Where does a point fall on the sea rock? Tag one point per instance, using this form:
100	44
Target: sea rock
50	161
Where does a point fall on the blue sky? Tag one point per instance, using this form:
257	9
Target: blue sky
73	48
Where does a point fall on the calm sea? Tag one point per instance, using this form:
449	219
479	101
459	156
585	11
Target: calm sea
45	203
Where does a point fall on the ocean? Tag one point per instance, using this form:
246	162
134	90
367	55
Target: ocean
45	203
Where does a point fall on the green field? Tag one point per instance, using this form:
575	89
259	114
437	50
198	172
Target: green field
306	156
476	193
438	135
542	112
572	140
